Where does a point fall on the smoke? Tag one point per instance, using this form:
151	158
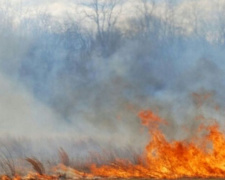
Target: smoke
74	84
22	114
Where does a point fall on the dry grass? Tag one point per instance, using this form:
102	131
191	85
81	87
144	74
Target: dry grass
64	158
7	163
37	165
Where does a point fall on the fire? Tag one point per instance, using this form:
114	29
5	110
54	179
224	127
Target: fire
201	156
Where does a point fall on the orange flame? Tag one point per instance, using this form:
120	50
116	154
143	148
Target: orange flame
176	159
202	157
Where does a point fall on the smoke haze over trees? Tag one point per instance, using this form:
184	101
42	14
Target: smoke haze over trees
89	71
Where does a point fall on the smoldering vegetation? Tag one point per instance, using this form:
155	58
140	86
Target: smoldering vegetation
78	81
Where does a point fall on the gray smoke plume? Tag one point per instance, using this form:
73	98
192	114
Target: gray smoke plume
64	84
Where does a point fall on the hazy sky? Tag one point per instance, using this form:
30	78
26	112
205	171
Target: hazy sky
62	7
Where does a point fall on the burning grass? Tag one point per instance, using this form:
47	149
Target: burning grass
202	156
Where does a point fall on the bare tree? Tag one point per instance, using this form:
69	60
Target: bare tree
147	26
105	14
146	8
220	23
